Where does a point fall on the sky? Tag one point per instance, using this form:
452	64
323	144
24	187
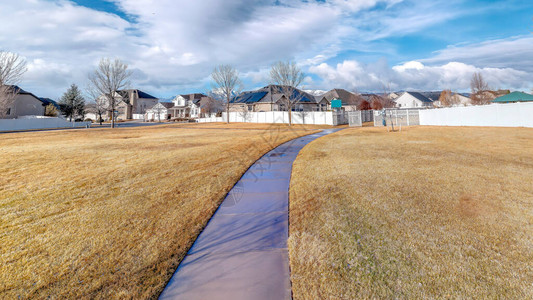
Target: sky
172	46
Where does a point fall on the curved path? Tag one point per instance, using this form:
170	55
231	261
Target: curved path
242	253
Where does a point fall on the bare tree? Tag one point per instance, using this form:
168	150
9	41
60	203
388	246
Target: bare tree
209	106
158	109
227	85
98	105
245	114
287	77
12	68
108	78
478	83
481	93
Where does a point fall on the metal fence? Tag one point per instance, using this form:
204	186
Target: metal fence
397	117
340	118
367	116
355	118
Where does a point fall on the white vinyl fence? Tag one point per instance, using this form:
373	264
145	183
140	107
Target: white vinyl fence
307	117
39	123
498	115
210	120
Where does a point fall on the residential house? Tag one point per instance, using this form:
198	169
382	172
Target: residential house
514	97
271	98
416	100
349	100
133	104
24	104
193	106
160	111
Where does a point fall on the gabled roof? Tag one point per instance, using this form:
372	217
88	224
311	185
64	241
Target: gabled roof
433	96
419	96
47	101
145	95
139	92
261	95
346	97
20	91
249	97
164	104
514	97
167	104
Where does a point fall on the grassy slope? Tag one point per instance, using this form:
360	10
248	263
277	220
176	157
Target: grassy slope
110	213
425	213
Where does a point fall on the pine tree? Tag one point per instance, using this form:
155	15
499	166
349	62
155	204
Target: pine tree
72	103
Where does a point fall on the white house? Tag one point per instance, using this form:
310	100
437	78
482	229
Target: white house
413	100
159	112
187	106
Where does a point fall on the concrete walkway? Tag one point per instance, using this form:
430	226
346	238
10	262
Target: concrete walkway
242	253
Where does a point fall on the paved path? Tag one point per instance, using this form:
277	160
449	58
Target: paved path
242	253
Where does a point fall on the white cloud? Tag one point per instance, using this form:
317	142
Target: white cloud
415	75
174	45
514	52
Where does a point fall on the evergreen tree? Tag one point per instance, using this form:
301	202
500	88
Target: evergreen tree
72	103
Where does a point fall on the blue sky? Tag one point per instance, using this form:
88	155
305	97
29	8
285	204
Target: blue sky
359	45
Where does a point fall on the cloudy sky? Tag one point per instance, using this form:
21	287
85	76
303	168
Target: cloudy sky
363	45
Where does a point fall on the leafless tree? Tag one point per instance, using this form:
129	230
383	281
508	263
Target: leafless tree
287	78
109	77
245	114
227	85
98	105
12	68
158	109
481	93
209	106
478	83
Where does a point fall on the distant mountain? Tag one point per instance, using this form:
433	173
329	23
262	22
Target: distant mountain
316	92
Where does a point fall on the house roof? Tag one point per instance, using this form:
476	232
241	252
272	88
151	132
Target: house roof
250	97
20	91
145	95
274	91
47	101
433	96
346	97
514	97
139	92
167	104
419	96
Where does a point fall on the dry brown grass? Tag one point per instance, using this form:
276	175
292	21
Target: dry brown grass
110	213
425	213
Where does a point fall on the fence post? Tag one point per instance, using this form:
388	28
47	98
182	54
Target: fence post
408	117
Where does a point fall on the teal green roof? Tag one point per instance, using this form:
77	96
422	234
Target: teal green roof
514	97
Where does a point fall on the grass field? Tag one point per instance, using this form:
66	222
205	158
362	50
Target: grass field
110	213
423	213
